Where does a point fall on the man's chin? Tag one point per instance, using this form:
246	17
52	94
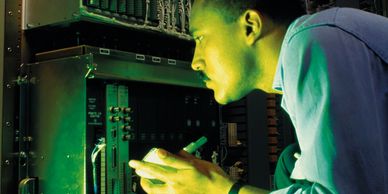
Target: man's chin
220	98
224	98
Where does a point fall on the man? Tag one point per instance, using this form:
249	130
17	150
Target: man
332	70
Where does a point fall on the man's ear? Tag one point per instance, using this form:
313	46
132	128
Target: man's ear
251	22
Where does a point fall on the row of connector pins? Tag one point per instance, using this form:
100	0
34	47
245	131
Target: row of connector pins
126	119
126	110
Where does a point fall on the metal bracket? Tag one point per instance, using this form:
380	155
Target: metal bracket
91	68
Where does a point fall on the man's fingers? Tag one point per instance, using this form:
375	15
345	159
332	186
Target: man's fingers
150	170
151	188
173	161
186	155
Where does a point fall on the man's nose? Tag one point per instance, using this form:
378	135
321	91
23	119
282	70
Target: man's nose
198	63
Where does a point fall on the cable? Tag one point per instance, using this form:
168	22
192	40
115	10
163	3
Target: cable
225	153
97	149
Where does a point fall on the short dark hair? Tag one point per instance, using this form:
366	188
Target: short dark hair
280	11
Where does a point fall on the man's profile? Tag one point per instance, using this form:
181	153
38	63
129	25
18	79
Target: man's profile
332	69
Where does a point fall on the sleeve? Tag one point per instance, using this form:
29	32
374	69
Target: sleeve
329	89
298	188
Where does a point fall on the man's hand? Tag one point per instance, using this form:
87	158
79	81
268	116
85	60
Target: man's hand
183	174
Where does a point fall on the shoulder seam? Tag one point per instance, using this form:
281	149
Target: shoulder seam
308	28
303	28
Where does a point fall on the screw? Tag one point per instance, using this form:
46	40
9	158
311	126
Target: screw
7	162
22	154
9	49
10	13
9	86
8	124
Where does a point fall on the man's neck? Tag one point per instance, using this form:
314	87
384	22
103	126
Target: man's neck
269	49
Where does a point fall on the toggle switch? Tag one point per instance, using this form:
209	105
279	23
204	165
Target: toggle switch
127	119
115	118
127	110
127	128
114	109
127	137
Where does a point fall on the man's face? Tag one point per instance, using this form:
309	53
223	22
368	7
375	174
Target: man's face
221	54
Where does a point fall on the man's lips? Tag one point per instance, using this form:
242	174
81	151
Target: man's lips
203	76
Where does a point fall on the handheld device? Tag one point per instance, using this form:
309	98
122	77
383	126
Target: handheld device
152	157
